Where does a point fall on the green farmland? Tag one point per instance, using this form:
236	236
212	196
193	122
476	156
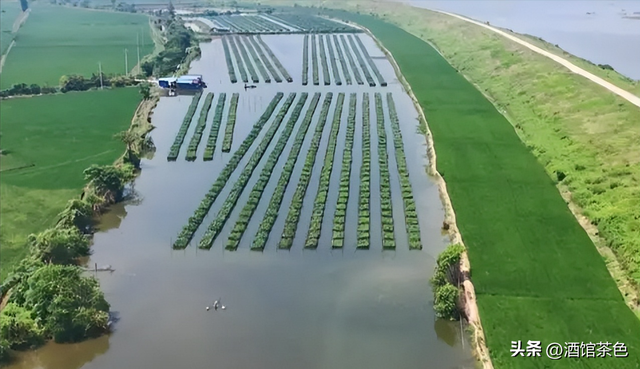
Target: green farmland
9	11
57	40
537	274
53	138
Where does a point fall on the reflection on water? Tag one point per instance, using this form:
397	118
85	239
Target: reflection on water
64	356
315	309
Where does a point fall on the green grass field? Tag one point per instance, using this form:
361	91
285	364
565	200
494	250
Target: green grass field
58	40
60	135
9	11
537	274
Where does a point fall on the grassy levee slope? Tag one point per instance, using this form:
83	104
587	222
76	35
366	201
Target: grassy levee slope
537	274
57	41
55	137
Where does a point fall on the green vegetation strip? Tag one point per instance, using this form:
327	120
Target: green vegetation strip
314	60
210	149
352	63
305	61
236	53
361	62
227	57
247	60
256	59
182	132
337	239
372	64
232	199
265	60
323	60
196	219
293	216
363	233
276	61
535	270
343	63
315	227
410	213
334	64
192	149
258	189
269	219
231	123
386	208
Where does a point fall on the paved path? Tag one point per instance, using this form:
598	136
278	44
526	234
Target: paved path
635	100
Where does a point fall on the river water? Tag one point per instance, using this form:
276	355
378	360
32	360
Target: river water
321	308
605	36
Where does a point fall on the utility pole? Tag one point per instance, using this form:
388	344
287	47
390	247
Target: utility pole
126	63
100	68
138	45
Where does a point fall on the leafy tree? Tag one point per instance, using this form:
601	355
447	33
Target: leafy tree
109	180
446	302
145	90
20	272
128	138
77	214
71	306
5	354
59	245
73	83
447	266
18	328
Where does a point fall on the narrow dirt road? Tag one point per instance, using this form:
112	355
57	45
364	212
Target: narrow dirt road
635	100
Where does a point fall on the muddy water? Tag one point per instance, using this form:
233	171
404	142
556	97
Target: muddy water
285	309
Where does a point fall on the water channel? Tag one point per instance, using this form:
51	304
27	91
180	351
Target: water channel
321	308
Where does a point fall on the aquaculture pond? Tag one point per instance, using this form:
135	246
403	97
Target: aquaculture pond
306	209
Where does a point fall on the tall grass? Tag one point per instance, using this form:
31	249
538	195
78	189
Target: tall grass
210	149
325	178
231	123
232	199
293	215
187	232
258	189
269	219
174	150
340	214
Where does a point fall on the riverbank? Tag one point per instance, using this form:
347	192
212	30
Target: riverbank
536	253
484	163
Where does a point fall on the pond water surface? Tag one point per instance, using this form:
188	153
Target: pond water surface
323	308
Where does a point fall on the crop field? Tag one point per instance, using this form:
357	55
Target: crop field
44	156
328	61
512	218
9	13
277	24
287	121
248	54
74	41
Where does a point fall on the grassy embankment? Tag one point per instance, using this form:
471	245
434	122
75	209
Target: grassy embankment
536	272
612	76
9	11
74	42
56	137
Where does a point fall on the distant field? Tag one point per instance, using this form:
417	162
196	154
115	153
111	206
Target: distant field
9	11
61	135
58	40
